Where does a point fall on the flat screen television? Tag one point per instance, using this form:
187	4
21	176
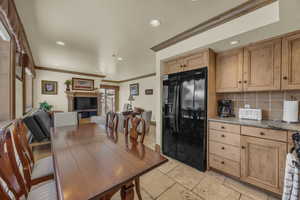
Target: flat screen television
84	103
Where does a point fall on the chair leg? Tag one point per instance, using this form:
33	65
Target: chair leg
138	188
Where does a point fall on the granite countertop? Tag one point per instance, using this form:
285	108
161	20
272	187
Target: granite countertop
261	124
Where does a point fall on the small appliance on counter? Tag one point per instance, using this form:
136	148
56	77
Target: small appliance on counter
250	113
291	111
225	108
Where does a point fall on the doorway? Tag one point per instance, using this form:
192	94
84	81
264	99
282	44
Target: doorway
109	99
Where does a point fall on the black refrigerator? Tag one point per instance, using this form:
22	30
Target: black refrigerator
185	117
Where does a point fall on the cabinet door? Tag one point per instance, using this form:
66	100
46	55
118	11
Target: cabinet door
196	61
291	62
173	66
263	162
229	71
262	66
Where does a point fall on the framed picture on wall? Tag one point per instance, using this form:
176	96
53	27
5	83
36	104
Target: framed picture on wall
82	84
134	89
49	87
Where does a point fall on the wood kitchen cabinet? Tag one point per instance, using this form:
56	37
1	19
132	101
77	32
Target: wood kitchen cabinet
262	66
291	62
196	61
173	66
263	162
229	71
189	62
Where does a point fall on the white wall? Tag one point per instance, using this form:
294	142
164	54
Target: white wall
146	102
58	101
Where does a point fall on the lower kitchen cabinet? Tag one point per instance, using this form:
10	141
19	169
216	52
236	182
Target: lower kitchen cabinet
263	162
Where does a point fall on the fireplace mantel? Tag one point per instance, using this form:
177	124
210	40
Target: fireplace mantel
72	94
82	94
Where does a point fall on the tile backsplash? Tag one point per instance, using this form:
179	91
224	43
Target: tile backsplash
271	103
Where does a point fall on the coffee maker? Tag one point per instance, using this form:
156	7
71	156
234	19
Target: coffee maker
225	108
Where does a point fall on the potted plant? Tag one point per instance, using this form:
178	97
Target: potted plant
68	83
45	106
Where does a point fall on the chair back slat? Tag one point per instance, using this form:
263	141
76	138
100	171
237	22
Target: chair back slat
23	135
9	170
132	128
4	194
21	146
112	122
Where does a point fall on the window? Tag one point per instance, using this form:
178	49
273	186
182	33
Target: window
6	112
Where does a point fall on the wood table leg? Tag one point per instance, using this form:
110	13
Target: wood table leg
127	192
138	188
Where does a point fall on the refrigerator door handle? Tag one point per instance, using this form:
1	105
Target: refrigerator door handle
174	108
177	108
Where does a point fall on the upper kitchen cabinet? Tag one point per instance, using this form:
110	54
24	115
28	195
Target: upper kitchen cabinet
189	62
262	65
229	71
196	61
173	66
291	62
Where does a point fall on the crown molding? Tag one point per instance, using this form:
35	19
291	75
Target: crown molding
220	19
69	71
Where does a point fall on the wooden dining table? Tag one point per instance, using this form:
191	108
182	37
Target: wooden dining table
92	164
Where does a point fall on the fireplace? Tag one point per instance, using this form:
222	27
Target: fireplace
85	103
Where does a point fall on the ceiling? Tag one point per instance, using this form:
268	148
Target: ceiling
94	30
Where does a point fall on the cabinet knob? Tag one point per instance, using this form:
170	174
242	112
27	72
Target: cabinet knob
223	148
243	147
222	162
245	81
240	82
285	78
262	133
223	135
222	127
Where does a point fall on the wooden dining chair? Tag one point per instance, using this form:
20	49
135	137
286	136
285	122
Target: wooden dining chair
11	175
112	122
3	193
34	172
132	133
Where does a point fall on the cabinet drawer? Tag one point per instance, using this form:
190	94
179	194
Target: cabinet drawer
225	127
265	133
225	165
224	150
224	137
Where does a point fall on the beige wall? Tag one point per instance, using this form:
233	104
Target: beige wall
58	101
146	102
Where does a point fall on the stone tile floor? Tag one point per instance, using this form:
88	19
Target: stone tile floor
177	181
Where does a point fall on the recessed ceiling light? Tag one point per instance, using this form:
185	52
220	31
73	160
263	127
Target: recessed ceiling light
234	42
155	23
119	58
60	43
